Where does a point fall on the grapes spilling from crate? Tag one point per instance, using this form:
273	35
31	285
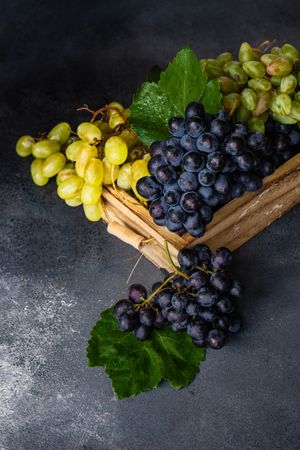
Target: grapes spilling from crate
200	297
208	161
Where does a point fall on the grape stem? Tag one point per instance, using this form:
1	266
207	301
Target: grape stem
176	269
148	299
203	269
176	272
101	111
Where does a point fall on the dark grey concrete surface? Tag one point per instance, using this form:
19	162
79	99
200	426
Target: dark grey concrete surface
58	271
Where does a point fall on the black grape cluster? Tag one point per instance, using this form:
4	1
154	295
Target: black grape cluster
199	299
208	161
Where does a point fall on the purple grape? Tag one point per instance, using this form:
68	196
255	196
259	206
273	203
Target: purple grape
136	292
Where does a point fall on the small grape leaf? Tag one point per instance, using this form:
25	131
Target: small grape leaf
212	97
183	81
136	366
150	113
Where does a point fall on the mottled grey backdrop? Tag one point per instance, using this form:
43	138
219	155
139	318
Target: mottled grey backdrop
58	271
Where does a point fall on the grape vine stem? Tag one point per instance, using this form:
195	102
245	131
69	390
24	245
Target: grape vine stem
176	272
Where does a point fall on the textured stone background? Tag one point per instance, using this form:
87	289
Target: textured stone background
58	271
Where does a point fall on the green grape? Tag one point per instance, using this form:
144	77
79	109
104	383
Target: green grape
297	97
229	65
110	172
264	116
139	169
242	114
224	58
289	51
129	136
70	187
53	164
264	100
284	119
256	124
69	165
254	69
213	69
126	113
267	58
90	194
37	173
246	53
116	150
203	63
259	84
24	146
228	86
231	102
276	81
103	126
281	104
93	212
280	67
115	119
237	74
84	155
73	150
64	174
93	172
60	133
89	132
249	99
276	51
288	84
74	201
116	105
295	111
124	177
45	148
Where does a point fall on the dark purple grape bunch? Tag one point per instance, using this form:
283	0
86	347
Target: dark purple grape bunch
208	161
200	298
133	316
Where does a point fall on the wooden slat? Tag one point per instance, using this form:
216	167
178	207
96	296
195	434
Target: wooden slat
126	201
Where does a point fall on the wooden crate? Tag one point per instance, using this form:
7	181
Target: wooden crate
232	225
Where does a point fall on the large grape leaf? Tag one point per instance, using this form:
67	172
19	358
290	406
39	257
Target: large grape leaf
136	366
183	81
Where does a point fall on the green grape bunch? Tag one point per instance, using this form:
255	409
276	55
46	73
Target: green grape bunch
103	151
263	82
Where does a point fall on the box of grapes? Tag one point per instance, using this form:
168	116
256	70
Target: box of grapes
208	152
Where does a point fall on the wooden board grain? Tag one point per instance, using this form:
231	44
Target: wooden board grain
232	225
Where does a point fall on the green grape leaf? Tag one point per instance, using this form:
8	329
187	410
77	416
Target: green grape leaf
150	112
183	81
212	97
136	366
